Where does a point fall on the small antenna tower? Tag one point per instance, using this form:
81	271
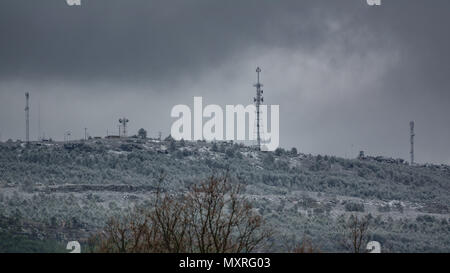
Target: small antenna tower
27	116
258	100
67	135
124	122
411	125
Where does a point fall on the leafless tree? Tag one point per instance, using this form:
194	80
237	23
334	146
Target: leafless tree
212	217
291	245
354	233
222	220
305	246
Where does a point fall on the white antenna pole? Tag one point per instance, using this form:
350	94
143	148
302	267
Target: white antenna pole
411	125
39	121
27	117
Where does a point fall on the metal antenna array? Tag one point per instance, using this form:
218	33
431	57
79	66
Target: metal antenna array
27	116
258	100
411	125
67	135
124	122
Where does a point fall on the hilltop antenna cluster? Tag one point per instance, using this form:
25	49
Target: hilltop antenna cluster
412	134
258	100
27	116
67	135
124	122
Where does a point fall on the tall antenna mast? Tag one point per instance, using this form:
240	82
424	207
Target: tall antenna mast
124	122
258	100
27	116
411	125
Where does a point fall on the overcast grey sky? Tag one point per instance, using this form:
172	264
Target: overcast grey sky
347	76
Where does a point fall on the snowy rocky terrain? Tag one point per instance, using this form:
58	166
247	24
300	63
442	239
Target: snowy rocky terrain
66	191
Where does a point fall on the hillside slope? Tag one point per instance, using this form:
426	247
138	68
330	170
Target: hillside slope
67	191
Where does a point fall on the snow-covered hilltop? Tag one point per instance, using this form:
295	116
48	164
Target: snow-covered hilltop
64	190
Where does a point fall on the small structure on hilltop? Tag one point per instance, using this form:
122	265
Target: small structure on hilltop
361	155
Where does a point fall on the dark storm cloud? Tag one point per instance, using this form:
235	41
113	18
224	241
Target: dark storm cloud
151	40
160	40
347	76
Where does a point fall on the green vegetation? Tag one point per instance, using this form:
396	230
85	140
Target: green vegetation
73	189
10	243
